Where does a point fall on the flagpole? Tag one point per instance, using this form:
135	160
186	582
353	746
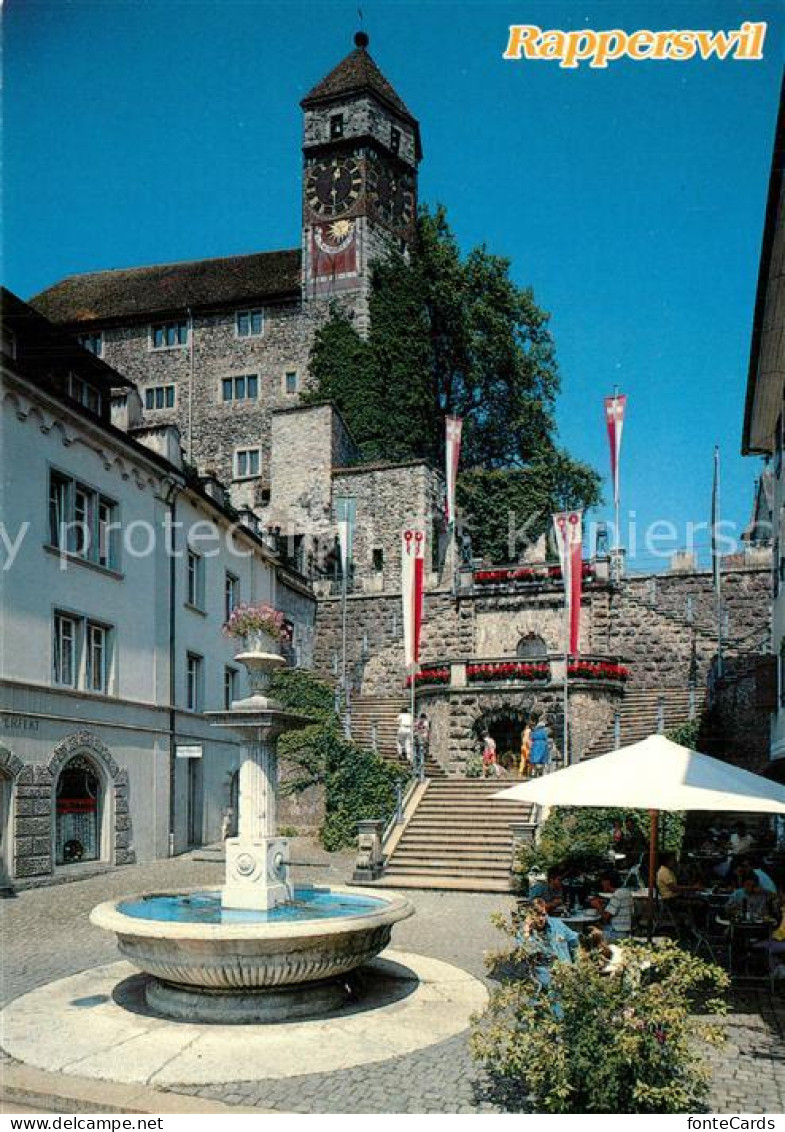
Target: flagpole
566	706
617	493
347	727
716	563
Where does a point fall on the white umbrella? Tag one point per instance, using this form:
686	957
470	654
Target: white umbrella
655	774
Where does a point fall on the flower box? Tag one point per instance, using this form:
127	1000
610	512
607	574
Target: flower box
507	670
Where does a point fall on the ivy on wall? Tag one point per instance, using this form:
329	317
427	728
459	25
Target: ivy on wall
358	783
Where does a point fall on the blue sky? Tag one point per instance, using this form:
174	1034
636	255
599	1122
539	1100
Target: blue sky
631	199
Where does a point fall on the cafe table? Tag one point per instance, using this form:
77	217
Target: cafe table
580	919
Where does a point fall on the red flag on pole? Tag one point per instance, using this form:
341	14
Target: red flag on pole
413	588
614	419
569	538
453	428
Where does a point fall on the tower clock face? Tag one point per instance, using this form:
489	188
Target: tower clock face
332	187
391	194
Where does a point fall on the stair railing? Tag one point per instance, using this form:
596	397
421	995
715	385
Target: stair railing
403	796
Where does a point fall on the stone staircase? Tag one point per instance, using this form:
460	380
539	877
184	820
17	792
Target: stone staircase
639	716
458	838
371	713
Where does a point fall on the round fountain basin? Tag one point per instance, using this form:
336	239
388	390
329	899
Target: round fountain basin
208	960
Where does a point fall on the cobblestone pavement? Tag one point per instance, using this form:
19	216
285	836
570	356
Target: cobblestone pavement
47	935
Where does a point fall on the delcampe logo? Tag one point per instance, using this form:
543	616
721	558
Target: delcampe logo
599	48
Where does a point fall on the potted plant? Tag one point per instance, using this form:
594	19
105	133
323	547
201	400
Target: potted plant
260	627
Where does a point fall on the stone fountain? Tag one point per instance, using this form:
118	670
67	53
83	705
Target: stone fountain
258	949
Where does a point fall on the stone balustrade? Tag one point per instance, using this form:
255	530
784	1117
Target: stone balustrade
511	671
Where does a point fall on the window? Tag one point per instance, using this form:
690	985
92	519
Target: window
97	672
395	140
65	650
249	324
231	594
247	463
193	690
195	580
84	501
93	342
168	335
82	653
242	387
78	813
85	394
336	125
82	521
9	342
159	397
290	382
378	559
230	682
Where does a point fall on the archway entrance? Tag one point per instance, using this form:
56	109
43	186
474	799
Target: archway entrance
505	726
78	813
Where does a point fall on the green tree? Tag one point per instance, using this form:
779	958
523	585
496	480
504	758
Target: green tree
453	334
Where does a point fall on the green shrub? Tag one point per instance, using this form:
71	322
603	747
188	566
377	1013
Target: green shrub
300	691
473	768
686	734
358	783
627	1042
579	838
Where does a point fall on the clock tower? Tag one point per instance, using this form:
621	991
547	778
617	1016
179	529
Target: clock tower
361	149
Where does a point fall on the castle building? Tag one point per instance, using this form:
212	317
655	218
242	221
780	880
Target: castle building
218	346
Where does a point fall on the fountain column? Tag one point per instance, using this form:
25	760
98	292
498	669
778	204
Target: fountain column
257	861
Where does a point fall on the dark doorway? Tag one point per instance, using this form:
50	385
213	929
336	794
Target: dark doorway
78	813
194	796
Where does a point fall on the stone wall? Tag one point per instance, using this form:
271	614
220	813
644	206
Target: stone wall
647	623
734	726
390	497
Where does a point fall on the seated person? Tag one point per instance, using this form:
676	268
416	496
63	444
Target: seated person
633	844
751	896
764	880
667	882
547	940
740	840
550	891
595	946
616	913
672	893
775	945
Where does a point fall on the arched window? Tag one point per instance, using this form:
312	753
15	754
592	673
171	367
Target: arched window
532	647
78	813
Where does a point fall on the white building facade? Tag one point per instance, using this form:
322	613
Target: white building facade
118	573
764	421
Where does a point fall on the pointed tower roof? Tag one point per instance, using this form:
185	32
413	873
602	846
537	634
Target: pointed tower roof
359	74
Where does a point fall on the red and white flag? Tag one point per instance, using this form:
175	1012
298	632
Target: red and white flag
453	426
569	538
413	588
614	418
